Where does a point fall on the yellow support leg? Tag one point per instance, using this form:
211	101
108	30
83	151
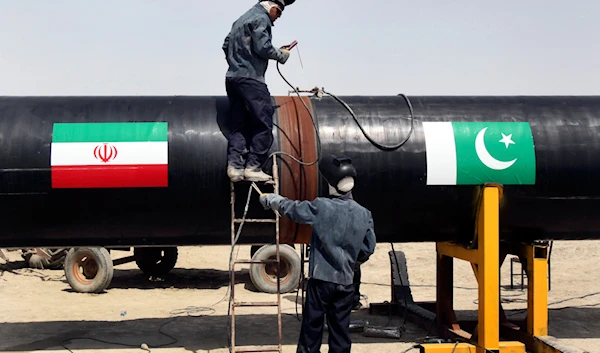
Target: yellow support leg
486	265
537	291
489	271
505	347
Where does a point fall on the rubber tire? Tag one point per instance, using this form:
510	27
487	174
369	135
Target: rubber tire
254	249
103	275
155	261
288	257
58	259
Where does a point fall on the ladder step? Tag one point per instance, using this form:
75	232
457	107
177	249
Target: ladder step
239	220
239	304
256	262
249	182
257	349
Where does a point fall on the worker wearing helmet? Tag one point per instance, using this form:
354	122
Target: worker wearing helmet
248	49
342	237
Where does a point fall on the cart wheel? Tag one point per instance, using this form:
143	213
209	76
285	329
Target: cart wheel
155	261
264	276
88	270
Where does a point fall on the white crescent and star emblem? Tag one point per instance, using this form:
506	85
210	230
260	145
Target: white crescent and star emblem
485	156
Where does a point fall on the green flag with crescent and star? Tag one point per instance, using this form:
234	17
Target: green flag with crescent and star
468	153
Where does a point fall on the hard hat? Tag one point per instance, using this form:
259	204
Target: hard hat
283	3
338	171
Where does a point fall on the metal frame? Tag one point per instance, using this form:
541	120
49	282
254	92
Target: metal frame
485	261
233	303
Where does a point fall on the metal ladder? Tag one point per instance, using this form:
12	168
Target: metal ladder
233	304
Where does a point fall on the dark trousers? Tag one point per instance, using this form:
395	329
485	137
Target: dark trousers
250	122
335	302
356	282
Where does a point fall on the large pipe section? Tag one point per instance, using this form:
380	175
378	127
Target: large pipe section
410	190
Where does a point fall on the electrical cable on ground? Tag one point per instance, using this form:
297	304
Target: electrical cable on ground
520	311
175	314
410	349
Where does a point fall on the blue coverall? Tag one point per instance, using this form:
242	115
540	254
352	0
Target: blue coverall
342	236
248	49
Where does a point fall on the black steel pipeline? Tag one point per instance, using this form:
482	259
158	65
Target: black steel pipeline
410	200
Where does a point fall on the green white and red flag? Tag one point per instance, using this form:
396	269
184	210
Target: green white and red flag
109	155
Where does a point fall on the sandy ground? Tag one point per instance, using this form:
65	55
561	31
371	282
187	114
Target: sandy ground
187	311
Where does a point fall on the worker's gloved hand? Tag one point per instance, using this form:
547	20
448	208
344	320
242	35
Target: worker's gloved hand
269	201
285	55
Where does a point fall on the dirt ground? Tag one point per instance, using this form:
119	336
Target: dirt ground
187	310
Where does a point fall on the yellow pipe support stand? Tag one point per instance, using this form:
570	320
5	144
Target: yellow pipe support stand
488	259
486	264
505	347
537	291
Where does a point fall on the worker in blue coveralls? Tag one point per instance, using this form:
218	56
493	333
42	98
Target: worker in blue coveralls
342	236
248	49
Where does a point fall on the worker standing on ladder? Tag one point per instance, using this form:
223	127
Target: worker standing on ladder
343	235
248	49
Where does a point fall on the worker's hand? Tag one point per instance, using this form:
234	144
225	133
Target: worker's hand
285	56
269	201
265	200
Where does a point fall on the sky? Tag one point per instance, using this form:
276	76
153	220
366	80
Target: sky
349	47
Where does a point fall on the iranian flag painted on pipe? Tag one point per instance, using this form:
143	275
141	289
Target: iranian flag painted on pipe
109	155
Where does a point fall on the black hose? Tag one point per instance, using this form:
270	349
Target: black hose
369	138
373	142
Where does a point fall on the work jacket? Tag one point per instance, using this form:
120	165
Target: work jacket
342	234
248	46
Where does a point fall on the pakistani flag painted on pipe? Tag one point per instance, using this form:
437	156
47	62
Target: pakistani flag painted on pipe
109	155
473	153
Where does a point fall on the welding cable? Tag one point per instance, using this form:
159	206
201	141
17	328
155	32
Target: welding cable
312	118
142	346
520	311
373	142
455	345
319	146
175	314
302	164
410	349
345	105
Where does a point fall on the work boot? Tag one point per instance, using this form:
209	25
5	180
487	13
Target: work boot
255	174
235	174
